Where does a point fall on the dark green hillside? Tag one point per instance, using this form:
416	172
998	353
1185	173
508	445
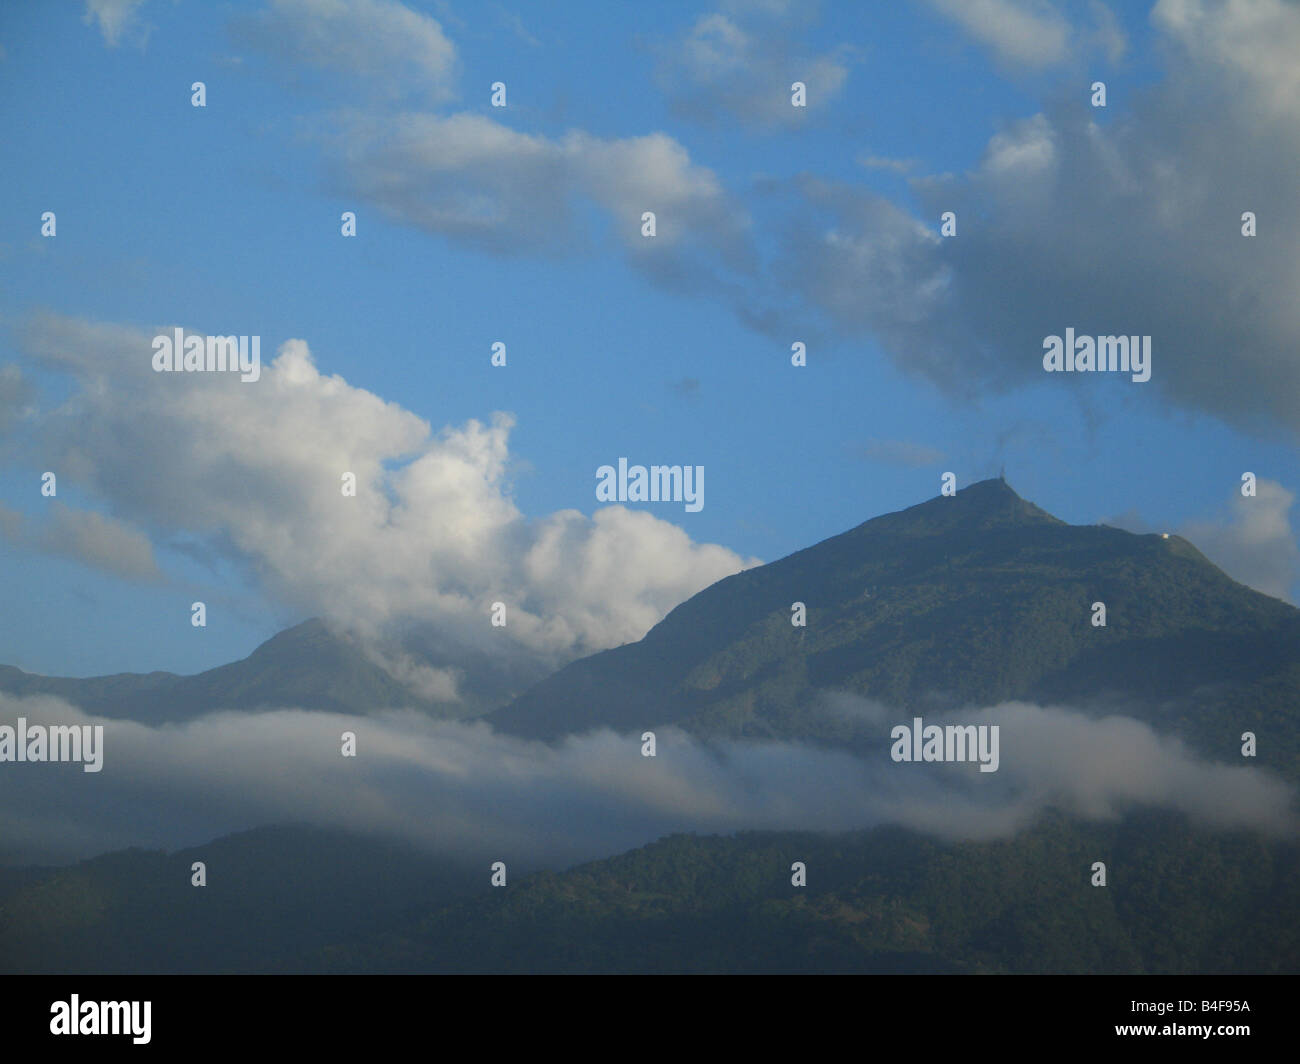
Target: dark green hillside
272	894
1179	899
973	599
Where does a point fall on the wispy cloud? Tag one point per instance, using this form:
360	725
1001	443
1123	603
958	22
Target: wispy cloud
381	45
899	453
94	539
118	21
1022	34
740	63
461	788
473	180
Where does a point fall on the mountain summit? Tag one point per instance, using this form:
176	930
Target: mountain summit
306	666
985	504
964	600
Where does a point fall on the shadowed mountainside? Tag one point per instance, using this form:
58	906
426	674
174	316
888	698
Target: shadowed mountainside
968	600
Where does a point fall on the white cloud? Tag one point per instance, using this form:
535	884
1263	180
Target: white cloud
433	536
1131	226
1024	150
470	178
385	44
462	789
1254	542
1035	35
1255	42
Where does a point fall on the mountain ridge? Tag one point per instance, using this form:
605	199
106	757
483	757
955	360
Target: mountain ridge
973	599
307	666
948	602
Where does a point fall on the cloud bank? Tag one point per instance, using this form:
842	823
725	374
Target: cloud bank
461	788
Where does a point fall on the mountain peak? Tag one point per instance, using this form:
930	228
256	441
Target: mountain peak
995	494
986	504
975	598
994	487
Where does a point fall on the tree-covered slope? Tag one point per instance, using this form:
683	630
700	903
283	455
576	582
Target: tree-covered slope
272	894
972	599
1178	899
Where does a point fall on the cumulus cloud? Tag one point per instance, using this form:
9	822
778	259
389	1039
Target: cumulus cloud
1128	227
461	788
472	179
432	536
381	44
1250	44
740	63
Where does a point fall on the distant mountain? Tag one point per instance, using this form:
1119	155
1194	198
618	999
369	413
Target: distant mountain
306	666
972	599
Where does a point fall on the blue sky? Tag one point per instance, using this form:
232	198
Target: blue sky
225	220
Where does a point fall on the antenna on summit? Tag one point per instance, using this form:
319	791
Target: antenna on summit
1002	474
